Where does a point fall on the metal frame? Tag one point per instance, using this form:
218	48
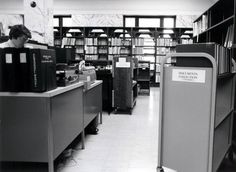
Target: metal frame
213	104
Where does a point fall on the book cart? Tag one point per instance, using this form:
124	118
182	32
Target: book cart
196	113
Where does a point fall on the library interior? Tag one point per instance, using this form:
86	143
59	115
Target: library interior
117	86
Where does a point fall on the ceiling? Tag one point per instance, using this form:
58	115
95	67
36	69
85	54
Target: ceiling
142	7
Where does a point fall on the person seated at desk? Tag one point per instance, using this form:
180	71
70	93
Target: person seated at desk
18	36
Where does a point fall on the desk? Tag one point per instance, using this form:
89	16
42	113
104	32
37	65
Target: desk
107	86
37	127
93	104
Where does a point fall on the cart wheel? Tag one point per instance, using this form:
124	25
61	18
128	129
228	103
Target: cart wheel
231	156
160	169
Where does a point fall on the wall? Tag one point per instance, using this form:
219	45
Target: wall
11	7
116	20
110	12
9	20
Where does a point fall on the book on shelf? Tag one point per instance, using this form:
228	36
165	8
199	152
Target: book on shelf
79	41
114	50
158	68
115	41
102	50
229	37
67	42
138	41
79	49
137	50
125	51
204	22
57	42
90	50
158	78
126	42
186	41
91	57
220	53
200	25
103	42
91	41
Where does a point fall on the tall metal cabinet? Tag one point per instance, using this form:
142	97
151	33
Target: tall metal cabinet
124	83
196	113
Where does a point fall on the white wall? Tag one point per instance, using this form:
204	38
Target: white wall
11	7
136	7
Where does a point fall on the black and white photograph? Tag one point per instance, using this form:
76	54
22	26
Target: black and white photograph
117	86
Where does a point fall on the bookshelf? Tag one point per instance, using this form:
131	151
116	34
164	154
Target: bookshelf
144	77
217	24
104	43
125	91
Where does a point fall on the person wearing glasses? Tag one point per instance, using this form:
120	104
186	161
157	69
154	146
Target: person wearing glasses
18	36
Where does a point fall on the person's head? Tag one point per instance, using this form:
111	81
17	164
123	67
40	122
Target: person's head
19	34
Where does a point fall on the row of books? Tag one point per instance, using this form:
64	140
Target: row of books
158	78
137	50
164	50
91	50
79	41
57	42
103	42
125	51
223	59
138	41
221	54
166	42
200	25
115	41
102	51
79	50
186	41
91	57
114	50
67	41
91	41
146	58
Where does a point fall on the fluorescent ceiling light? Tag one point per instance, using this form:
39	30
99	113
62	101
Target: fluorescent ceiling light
166	36
97	31
144	30
168	31
185	36
103	35
68	35
188	31
120	30
145	36
75	30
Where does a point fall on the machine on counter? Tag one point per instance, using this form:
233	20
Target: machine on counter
66	74
87	74
69	74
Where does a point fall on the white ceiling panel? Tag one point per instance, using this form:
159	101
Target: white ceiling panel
141	7
132	6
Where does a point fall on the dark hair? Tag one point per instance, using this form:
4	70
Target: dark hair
19	30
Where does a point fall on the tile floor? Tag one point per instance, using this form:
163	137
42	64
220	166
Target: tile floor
125	143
